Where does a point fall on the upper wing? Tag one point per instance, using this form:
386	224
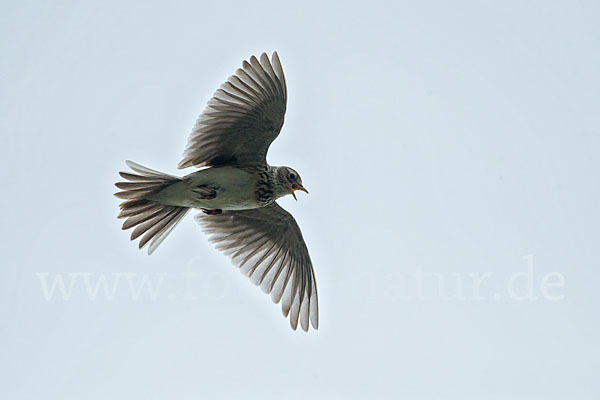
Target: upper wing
242	119
267	245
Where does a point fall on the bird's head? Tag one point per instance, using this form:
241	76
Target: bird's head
288	182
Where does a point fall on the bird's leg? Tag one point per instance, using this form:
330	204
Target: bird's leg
211	212
205	192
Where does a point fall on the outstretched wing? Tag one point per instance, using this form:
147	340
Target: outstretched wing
267	245
242	119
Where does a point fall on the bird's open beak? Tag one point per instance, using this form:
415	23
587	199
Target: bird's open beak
297	186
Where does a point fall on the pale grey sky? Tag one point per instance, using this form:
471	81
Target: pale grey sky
441	142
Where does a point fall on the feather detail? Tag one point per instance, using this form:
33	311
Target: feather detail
151	219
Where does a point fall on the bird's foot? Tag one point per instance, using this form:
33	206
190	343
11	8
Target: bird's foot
211	212
205	192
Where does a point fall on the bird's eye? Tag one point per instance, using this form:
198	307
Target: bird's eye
292	176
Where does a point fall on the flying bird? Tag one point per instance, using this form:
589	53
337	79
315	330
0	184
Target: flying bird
235	189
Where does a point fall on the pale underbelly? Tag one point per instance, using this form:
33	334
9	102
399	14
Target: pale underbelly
228	198
233	189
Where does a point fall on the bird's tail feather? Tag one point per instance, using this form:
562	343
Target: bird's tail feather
151	219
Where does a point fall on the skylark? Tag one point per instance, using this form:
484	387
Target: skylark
236	190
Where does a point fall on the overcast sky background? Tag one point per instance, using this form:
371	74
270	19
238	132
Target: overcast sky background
451	141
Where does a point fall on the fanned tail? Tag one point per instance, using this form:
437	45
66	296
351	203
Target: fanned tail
151	219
